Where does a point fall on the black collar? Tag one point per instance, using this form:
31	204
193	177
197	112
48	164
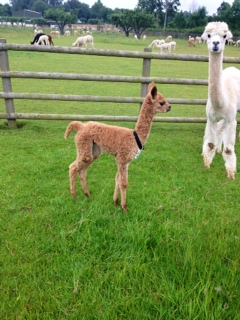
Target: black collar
140	146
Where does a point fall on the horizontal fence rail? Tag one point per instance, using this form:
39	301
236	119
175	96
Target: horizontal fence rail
111	53
32	116
60	97
86	77
9	96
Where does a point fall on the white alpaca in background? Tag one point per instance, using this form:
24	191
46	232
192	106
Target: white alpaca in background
156	43
223	100
84	41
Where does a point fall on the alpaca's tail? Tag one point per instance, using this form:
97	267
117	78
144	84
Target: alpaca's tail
74	44
73	126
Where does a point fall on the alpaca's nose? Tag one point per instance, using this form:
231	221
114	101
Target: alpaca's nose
215	45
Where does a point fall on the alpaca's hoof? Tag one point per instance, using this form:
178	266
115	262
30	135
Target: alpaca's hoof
207	162
125	209
88	194
231	174
74	194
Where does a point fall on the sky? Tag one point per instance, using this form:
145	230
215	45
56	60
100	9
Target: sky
186	5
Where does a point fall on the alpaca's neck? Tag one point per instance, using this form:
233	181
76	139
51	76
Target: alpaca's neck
215	90
145	119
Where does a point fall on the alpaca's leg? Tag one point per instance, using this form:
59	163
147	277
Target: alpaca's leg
86	150
229	154
209	145
78	167
220	131
82	169
123	184
85	162
117	190
73	170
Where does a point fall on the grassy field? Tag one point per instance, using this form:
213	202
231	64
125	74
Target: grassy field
174	256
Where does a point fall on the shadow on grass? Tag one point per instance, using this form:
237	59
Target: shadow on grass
4	125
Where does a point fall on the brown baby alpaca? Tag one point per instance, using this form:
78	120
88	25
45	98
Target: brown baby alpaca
93	138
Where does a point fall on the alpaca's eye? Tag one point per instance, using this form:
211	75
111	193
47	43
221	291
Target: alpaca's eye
162	103
209	36
224	37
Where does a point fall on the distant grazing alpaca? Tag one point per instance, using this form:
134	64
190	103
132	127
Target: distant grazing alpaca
67	33
84	41
231	42
191	41
156	43
173	45
36	38
124	144
223	100
237	44
165	46
198	40
55	33
43	40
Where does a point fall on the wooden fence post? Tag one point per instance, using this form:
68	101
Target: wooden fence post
146	73
7	85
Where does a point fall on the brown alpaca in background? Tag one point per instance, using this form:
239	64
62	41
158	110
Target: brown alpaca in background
124	144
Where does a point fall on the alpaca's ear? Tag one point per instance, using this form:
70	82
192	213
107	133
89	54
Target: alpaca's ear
152	90
204	36
229	35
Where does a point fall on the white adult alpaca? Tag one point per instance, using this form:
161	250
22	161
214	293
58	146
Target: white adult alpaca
84	41
165	46
223	100
156	43
43	40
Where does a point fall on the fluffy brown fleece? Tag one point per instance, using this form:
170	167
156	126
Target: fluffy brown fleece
93	138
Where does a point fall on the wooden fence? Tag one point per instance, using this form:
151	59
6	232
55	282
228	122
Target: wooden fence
8	95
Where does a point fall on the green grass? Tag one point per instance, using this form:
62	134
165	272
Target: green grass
174	256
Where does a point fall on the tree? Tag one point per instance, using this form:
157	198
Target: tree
198	18
193	6
235	14
61	17
157	8
141	21
122	19
223	7
82	10
137	20
100	12
5	10
40	6
169	5
21	4
55	3
224	13
154	7
39	21
179	21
